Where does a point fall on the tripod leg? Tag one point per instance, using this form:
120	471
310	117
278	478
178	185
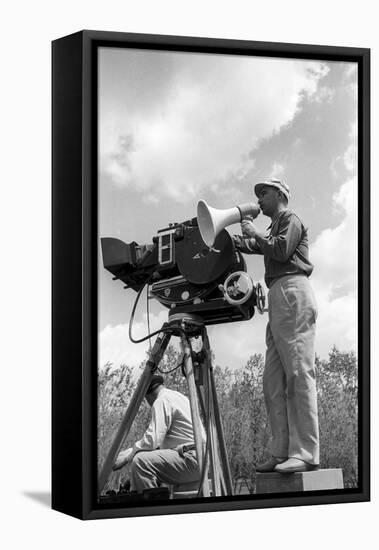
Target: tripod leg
152	363
211	433
203	400
196	422
219	428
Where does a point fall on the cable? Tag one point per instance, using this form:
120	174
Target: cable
171	370
138	341
163	329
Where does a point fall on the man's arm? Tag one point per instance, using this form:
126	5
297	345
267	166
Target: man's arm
281	246
246	245
154	435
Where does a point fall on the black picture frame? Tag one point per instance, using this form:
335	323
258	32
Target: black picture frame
74	271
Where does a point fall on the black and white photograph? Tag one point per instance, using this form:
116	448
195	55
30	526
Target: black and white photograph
227	276
189	297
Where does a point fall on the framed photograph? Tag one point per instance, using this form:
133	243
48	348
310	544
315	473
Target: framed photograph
211	287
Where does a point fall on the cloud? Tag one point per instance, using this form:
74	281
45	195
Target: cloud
324	95
335	281
335	256
351	75
200	130
277	170
234	343
351	154
115	346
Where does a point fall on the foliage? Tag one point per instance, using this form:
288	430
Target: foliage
243	412
115	388
338	413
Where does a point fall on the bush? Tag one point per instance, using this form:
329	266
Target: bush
243	412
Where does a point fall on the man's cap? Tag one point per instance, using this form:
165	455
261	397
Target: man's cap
273	182
157	380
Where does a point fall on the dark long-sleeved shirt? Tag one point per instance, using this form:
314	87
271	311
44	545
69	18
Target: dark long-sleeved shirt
285	249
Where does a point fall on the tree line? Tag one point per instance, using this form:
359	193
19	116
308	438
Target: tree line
243	412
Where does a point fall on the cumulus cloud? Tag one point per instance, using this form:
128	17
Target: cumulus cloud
233	343
335	255
324	95
192	125
351	76
201	129
115	346
350	156
335	279
277	170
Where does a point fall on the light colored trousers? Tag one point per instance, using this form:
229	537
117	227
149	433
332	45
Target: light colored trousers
164	465
289	382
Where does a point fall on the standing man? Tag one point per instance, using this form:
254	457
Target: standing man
166	452
289	382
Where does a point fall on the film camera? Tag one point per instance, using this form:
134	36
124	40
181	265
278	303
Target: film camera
191	267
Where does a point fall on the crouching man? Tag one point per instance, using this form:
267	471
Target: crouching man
166	452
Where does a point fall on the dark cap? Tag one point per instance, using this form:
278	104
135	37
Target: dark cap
157	380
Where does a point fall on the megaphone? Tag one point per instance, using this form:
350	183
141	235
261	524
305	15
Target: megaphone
212	220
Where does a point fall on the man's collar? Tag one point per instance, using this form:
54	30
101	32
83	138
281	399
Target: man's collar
276	218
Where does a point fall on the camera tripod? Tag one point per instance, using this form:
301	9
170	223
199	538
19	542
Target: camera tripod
213	461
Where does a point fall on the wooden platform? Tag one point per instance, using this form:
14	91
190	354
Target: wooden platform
317	480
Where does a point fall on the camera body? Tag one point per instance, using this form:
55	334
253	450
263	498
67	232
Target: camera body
184	274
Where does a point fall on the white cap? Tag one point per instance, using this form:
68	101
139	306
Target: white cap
273	182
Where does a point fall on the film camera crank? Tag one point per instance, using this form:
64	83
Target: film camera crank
193	269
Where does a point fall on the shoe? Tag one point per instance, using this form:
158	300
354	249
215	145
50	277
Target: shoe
269	465
293	465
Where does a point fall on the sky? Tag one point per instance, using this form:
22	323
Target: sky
177	127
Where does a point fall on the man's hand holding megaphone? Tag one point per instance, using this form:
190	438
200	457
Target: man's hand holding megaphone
248	228
246	241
